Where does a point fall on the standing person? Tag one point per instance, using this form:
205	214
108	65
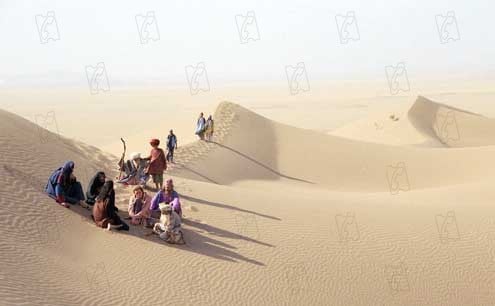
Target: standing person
94	187
157	164
139	206
104	210
64	187
209	128
171	146
200	126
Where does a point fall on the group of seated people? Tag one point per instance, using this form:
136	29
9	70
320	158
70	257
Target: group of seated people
162	212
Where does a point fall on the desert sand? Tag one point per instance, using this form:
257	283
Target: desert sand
290	204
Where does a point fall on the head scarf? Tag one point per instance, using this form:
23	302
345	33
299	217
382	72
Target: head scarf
68	167
155	142
107	192
95	183
62	174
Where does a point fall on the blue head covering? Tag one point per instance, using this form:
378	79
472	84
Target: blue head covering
68	167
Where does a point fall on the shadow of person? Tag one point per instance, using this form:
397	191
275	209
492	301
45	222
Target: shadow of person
221	232
226	206
195	241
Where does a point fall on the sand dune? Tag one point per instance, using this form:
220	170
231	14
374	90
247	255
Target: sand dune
269	151
275	215
451	126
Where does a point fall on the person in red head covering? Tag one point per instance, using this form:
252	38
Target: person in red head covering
157	164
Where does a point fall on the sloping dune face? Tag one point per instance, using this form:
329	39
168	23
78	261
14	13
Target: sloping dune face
257	148
451	126
37	237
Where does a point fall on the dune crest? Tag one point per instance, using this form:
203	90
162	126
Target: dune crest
451	126
254	148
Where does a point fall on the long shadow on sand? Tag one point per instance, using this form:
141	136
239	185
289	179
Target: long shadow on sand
260	164
198	174
195	241
226	206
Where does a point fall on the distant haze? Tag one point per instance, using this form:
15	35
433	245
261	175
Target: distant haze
140	48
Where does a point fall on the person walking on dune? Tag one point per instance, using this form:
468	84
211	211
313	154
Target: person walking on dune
171	146
157	164
200	126
209	128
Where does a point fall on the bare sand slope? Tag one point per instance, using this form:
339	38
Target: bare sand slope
275	215
425	123
451	126
258	149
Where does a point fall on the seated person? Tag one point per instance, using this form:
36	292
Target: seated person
168	196
169	227
64	187
135	171
94	187
139	206
104	213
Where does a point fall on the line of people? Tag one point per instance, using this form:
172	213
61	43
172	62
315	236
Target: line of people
162	212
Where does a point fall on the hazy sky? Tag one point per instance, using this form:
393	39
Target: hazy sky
54	49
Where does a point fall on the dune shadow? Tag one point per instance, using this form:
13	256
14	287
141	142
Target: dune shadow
260	164
226	206
206	178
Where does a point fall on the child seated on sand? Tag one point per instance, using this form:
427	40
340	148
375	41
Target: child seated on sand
169	227
157	164
139	206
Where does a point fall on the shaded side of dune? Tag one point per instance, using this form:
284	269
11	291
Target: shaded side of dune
451	126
